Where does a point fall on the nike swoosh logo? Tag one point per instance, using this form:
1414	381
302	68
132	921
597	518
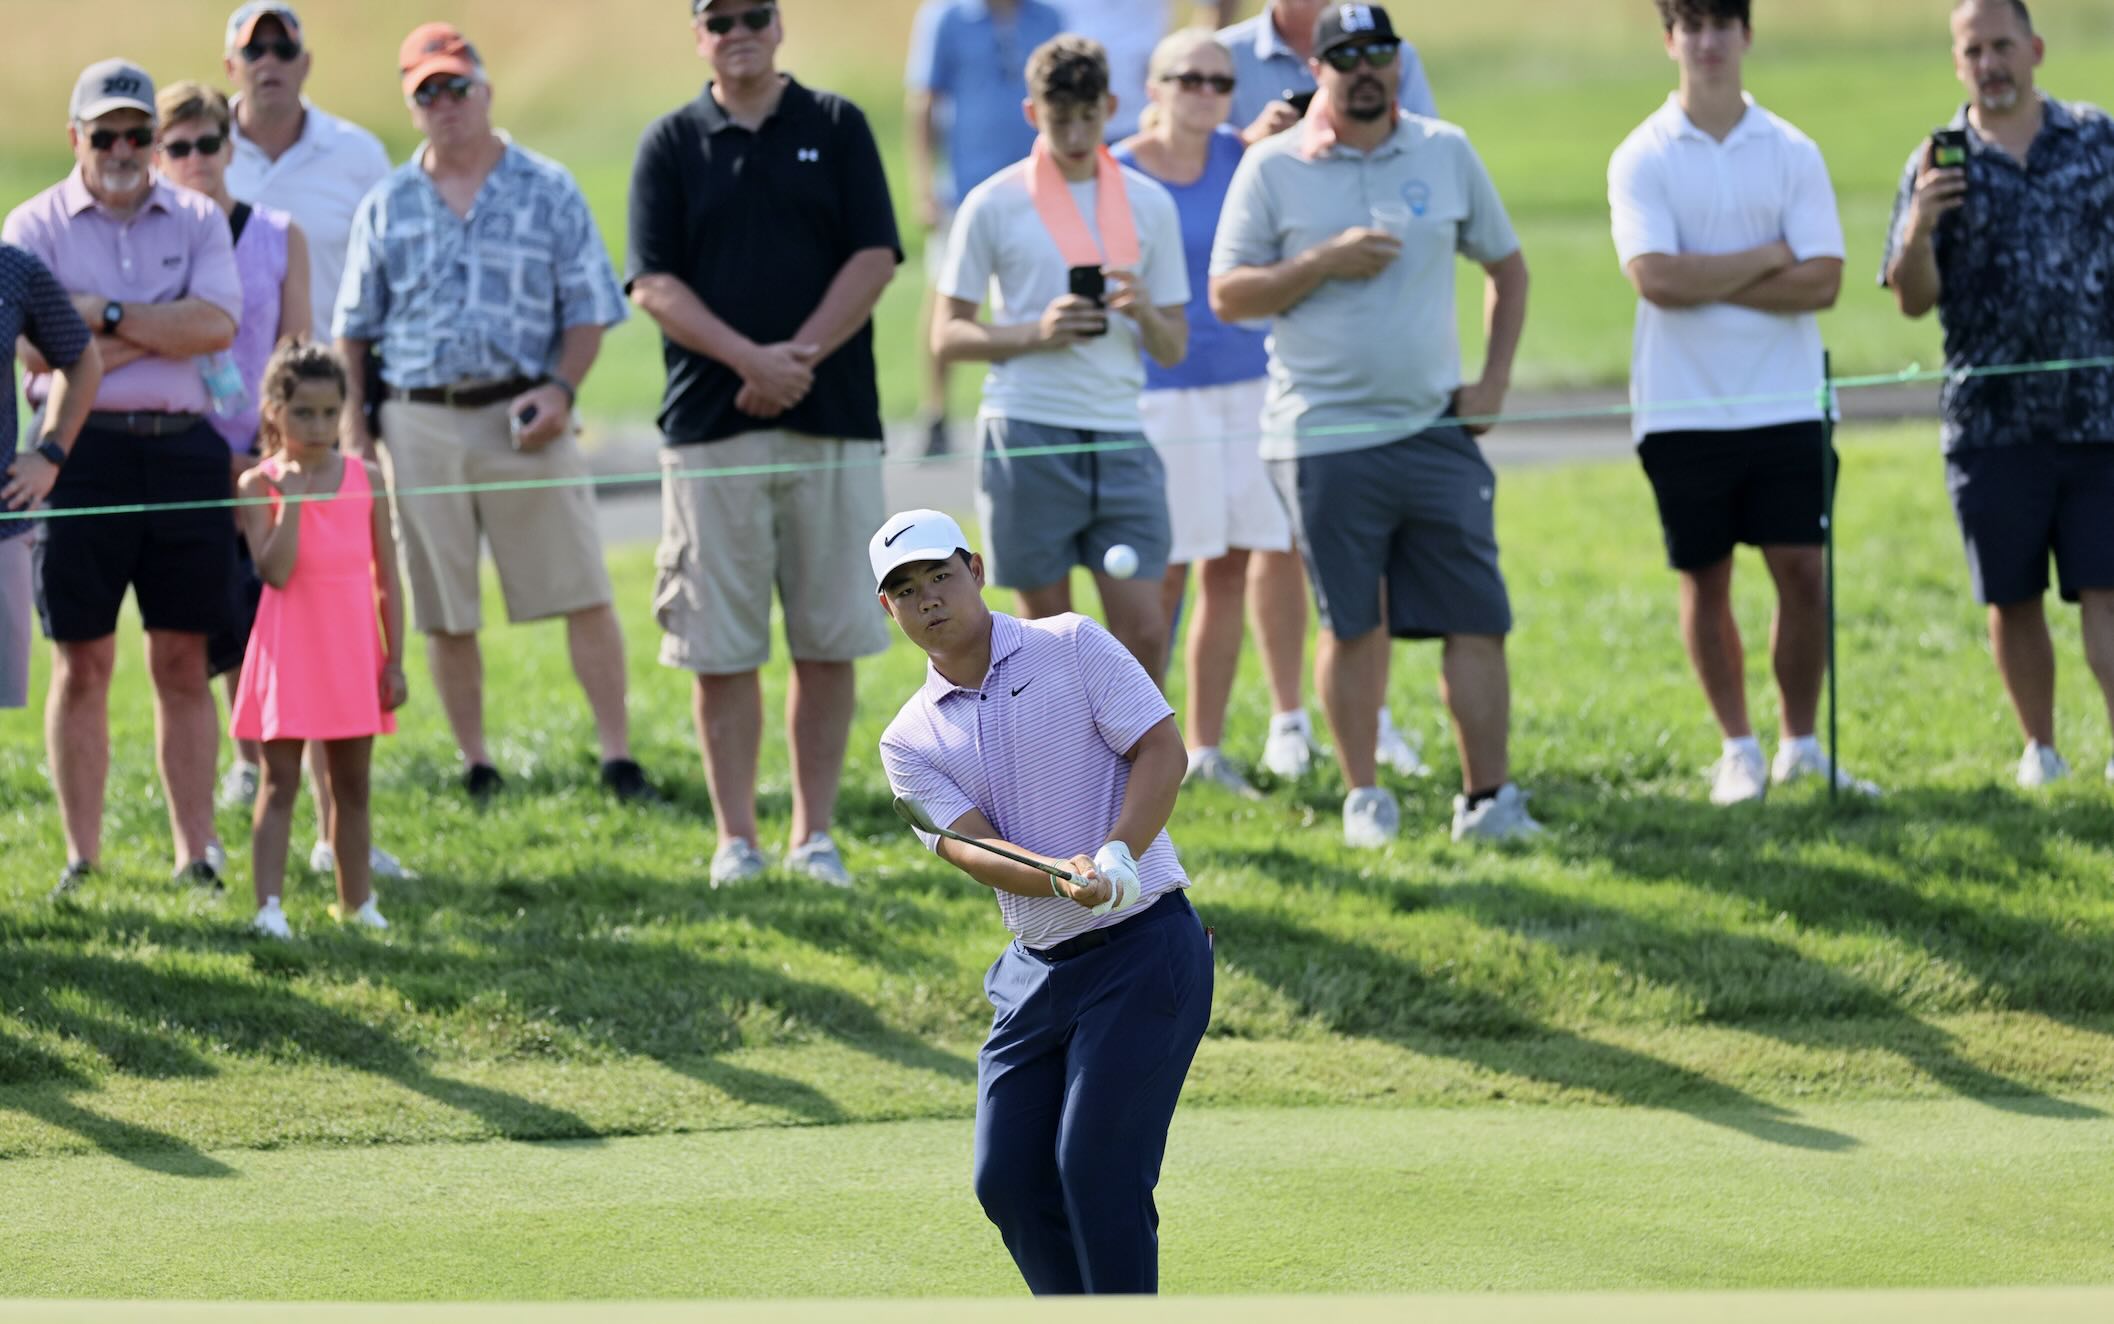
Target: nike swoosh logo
1030	681
890	540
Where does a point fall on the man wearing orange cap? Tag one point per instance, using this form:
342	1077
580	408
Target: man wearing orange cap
477	270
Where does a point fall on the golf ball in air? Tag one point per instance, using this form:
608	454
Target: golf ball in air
1121	561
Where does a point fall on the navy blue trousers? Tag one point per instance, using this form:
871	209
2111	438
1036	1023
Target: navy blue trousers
1075	1090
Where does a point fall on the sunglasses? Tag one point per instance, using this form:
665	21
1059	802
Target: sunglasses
1220	84
208	144
755	20
286	49
457	88
105	139
1376	54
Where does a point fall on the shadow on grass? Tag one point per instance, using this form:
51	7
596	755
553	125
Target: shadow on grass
50	1097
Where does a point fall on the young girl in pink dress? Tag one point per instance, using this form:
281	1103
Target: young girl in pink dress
325	661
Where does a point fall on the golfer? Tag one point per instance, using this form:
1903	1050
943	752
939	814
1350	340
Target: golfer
1046	739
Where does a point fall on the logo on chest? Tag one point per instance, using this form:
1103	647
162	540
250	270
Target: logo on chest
1417	195
808	155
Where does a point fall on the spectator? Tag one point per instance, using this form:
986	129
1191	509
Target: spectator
967	80
151	266
2019	262
1065	374
291	155
488	320
1725	222
1128	30
761	239
1387	491
1202	417
1271	53
35	311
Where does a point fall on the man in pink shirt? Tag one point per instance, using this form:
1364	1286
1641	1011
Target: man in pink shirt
1046	738
151	268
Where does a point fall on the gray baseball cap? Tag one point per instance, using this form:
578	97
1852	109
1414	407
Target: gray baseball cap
242	24
109	85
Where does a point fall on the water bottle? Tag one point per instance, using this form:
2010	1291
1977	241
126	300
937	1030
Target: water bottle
223	379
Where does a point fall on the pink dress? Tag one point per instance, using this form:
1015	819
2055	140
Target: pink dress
314	666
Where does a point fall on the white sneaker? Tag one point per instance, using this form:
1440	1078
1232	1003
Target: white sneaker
1740	776
736	861
1394	750
1211	766
1798	759
2041	766
1289	752
368	916
1371	819
238	786
817	857
380	863
322	859
271	923
1504	817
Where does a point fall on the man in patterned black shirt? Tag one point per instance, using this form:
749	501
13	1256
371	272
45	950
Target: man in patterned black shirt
2016	252
36	309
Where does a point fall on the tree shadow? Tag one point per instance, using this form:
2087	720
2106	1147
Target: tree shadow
49	1094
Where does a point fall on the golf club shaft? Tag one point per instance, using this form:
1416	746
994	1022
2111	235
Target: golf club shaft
1827	470
1000	851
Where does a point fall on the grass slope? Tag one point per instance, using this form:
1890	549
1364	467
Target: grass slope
1948	1194
560	969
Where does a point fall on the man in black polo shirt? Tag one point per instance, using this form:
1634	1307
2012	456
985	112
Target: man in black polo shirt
761	238
2015	250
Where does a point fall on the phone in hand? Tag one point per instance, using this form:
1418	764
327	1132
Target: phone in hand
1089	283
519	423
1948	149
1299	101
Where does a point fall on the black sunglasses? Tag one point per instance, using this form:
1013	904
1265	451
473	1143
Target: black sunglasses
105	139
457	88
287	49
755	20
205	145
1376	54
1222	84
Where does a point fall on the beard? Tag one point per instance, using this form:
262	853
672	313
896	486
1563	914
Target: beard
1998	95
1366	101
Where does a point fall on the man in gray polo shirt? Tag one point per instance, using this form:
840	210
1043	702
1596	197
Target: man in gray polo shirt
1345	234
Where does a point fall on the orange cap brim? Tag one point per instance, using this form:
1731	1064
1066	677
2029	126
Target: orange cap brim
439	64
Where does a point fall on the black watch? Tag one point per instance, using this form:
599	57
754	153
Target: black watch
51	450
113	313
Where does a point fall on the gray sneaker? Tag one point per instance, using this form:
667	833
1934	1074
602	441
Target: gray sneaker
1503	818
238	787
736	861
1213	767
817	858
1371	819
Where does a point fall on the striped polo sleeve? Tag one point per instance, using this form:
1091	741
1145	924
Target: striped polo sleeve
912	772
1126	702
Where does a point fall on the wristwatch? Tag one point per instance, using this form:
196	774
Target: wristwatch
51	450
113	313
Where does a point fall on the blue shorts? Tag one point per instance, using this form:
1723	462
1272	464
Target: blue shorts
2018	504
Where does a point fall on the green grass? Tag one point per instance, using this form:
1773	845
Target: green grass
1949	1194
1546	90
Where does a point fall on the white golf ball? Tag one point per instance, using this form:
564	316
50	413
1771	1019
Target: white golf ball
1121	562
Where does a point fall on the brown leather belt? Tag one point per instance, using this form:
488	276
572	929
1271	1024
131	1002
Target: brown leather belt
479	395
143	423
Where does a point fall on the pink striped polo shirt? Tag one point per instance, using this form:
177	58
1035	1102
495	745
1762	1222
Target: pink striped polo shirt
1040	750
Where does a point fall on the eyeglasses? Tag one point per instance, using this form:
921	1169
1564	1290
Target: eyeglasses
755	20
1190	81
208	144
457	88
105	139
1376	54
285	48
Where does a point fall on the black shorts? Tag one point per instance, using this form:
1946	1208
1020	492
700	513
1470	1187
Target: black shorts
179	563
1716	490
227	646
2017	504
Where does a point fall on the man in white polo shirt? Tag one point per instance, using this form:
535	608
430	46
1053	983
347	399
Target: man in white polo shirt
1725	222
1345	233
1047	739
290	155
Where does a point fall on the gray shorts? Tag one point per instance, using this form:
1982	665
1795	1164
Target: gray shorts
1044	514
1418	515
17	595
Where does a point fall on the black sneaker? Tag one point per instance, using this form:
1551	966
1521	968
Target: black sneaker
937	440
483	781
202	876
77	873
627	782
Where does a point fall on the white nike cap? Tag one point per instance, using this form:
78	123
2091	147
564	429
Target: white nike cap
913	535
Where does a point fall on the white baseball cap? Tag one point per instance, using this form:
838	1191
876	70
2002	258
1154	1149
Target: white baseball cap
912	536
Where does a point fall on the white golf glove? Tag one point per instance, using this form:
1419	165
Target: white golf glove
1115	863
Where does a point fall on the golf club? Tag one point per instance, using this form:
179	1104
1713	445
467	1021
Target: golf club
1827	525
913	813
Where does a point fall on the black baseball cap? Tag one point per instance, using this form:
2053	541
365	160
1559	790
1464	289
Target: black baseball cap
1340	25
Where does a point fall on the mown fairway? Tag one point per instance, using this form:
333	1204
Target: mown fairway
1546	88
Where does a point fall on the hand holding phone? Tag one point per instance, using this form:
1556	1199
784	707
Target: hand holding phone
1948	149
1090	283
519	423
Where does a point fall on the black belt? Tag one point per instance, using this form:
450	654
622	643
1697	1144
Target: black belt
1169	905
143	423
464	397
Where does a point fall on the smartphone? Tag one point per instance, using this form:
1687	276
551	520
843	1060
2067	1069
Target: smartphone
1948	148
1089	283
519	423
1299	101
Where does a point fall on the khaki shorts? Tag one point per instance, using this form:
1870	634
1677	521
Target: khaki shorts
727	538
544	540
